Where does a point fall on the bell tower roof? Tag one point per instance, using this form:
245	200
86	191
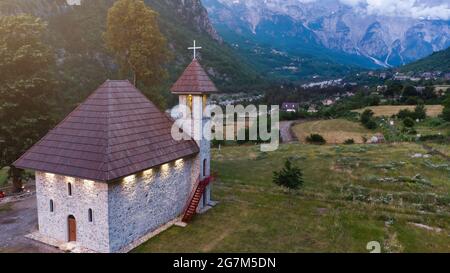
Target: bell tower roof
194	80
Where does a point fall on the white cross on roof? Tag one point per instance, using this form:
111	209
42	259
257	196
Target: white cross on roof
195	49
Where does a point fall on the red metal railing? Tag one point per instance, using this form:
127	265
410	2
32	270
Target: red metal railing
196	196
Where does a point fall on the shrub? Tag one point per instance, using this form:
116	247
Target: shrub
290	176
371	125
408	122
349	141
405	113
366	116
432	138
420	112
316	139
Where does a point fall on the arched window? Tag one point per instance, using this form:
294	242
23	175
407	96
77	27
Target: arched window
204	167
69	189
51	205
90	215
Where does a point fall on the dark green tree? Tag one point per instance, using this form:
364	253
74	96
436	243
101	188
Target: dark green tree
26	88
290	176
409	91
446	111
408	122
420	112
366	116
133	35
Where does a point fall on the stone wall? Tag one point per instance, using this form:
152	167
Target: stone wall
141	203
86	195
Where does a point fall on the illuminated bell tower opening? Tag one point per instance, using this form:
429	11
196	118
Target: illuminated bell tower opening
193	89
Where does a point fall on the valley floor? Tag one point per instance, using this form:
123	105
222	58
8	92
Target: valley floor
352	195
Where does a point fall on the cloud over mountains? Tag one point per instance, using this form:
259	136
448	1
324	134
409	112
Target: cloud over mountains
417	9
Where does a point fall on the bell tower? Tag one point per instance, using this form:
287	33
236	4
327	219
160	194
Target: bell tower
193	89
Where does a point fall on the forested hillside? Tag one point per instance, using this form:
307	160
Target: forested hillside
83	62
438	61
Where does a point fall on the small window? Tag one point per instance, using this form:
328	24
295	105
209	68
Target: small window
51	205
204	167
90	215
69	189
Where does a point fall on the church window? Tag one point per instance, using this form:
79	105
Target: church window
90	215
69	189
51	205
204	167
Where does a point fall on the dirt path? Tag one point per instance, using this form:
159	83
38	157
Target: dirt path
18	219
286	133
434	151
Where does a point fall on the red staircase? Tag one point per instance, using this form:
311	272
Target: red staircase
196	196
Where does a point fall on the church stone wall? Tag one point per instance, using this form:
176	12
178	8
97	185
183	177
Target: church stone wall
86	195
141	203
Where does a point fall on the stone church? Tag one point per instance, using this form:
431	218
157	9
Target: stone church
110	174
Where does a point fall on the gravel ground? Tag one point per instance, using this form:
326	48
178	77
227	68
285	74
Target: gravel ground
18	219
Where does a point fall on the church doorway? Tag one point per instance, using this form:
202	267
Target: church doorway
72	224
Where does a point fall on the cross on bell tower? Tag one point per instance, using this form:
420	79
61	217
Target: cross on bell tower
194	48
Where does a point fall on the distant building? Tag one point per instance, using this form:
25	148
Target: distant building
440	90
381	88
74	2
290	107
312	109
327	102
401	77
420	88
427	75
377	138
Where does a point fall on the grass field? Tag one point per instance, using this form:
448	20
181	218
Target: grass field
335	131
352	195
390	110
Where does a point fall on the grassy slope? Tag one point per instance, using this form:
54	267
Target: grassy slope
389	110
254	215
334	131
439	61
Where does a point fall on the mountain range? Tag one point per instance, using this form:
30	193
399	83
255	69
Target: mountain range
329	30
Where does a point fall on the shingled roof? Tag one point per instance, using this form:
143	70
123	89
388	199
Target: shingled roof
116	132
194	80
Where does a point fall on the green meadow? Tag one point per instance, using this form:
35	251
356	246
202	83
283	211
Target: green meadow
353	194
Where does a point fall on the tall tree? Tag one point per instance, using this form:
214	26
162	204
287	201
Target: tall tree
25	88
133	35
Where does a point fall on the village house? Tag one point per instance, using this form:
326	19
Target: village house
312	109
111	175
327	102
441	90
447	76
290	107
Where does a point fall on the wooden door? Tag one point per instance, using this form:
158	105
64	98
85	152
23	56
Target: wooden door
72	229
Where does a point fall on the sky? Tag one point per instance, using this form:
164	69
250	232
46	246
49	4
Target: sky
405	8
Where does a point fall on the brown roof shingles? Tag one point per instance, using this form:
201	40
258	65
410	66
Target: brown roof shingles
116	132
194	80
